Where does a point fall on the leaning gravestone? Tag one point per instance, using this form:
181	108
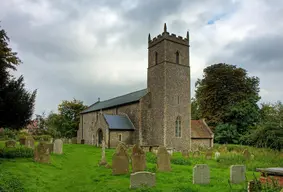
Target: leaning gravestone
138	159
103	159
246	154
237	174
58	146
163	160
10	144
41	153
201	174
142	179
120	161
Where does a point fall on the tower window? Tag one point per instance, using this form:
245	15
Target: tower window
120	137
156	58
178	100
178	127
177	57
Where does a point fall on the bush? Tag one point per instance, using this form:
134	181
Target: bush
17	152
8	183
8	134
42	137
226	133
180	161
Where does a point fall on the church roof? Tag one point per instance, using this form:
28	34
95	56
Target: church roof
120	100
200	130
119	122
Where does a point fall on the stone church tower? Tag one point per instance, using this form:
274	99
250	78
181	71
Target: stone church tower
168	120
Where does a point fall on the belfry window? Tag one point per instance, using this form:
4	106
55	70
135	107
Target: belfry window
178	127
156	58
177	57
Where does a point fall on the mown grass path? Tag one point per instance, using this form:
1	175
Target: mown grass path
77	170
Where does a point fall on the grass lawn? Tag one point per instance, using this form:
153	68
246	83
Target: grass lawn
77	170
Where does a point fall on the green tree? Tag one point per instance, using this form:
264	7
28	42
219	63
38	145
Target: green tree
223	92
195	114
226	133
16	103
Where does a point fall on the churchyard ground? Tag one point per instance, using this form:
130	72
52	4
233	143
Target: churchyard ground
77	170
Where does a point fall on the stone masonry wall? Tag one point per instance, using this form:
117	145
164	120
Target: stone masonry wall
200	142
127	138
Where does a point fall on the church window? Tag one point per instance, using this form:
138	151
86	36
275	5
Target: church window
177	57
178	127
120	137
156	58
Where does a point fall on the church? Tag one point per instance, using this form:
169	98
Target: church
159	115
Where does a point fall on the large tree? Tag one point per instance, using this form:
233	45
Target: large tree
226	94
16	103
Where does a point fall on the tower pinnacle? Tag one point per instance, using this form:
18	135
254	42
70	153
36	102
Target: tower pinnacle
149	38
165	27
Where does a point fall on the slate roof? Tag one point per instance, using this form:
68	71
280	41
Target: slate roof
200	130
120	100
119	122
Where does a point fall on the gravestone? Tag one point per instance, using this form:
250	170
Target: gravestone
246	154
74	140
163	160
142	179
138	159
103	159
58	146
120	161
237	174
216	155
29	142
208	154
201	174
22	140
170	151
10	144
196	153
41	153
185	153
51	140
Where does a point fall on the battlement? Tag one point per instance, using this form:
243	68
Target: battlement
167	36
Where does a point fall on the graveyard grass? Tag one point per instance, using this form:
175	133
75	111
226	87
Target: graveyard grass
77	170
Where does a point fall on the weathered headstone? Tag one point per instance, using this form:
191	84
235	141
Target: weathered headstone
201	174
103	159
196	153
10	144
120	161
51	140
29	142
41	153
237	174
185	153
74	140
163	160
216	155
208	154
138	159
142	179
22	140
58	146
246	154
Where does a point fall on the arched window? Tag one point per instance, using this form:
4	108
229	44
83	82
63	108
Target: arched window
177	57
156	58
178	127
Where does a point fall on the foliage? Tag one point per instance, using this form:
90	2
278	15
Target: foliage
9	182
223	91
42	137
195	113
16	103
8	134
180	161
66	122
16	152
151	158
226	133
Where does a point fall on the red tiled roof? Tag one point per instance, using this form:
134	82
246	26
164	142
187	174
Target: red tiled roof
200	130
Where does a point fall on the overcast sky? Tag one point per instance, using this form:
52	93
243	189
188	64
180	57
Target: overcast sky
86	49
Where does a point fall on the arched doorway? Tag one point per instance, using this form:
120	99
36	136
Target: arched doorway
99	137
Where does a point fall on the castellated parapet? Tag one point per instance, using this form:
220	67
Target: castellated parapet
170	37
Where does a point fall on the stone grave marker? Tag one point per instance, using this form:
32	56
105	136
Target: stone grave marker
41	153
163	160
74	140
216	155
138	159
29	142
201	174
142	179
246	154
208	154
185	153
10	144
237	174
58	146
170	151
120	161
196	153
22	140
103	161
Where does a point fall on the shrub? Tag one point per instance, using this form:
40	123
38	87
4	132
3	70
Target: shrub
8	134
42	137
226	133
180	161
8	182
17	152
